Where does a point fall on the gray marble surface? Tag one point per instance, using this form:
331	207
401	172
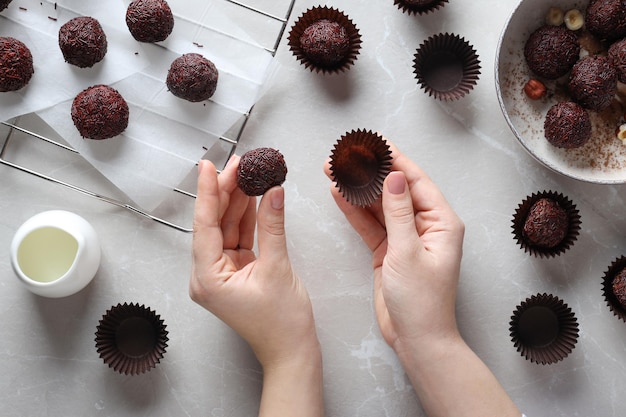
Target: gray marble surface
48	361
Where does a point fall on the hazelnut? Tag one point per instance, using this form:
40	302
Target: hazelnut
554	16
535	89
574	19
620	132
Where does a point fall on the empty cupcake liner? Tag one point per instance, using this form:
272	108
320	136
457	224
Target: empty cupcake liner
521	213
314	15
618	309
359	164
131	338
544	329
419	6
446	66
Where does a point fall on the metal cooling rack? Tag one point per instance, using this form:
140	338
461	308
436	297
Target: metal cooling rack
230	139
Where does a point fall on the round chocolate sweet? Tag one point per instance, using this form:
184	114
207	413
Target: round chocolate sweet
593	82
567	125
259	170
149	20
551	51
617	58
4	4
16	64
547	223
325	43
619	287
100	112
606	18
192	77
82	42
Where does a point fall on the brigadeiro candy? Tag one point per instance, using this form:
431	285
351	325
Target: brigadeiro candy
192	77
614	287
446	66
82	41
419	6
551	51
4	4
593	82
606	19
325	40
261	169
100	112
617	57
149	20
546	224
544	329
131	339
567	125
359	164
16	64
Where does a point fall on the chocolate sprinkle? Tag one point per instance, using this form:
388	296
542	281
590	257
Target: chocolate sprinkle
192	77
16	64
149	20
551	51
82	42
259	170
567	125
100	112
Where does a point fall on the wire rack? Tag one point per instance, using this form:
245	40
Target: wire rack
271	15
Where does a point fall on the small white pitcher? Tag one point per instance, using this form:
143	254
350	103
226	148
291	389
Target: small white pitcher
55	253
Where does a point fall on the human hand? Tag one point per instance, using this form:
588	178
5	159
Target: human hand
416	243
262	299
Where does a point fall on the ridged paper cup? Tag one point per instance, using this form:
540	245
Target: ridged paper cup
359	163
131	338
610	280
544	329
522	212
419	6
345	55
446	66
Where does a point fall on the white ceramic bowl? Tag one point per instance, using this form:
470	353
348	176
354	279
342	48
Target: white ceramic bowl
603	159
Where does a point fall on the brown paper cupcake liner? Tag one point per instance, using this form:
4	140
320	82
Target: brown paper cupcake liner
544	329
419	7
446	66
131	338
312	16
618	309
359	164
519	219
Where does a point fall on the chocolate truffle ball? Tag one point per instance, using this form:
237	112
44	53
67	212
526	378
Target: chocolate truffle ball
619	287
593	82
192	77
547	224
617	58
567	125
100	112
149	20
82	41
325	43
16	64
259	170
606	18
551	51
4	4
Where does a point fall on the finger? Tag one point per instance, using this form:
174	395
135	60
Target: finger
234	218
399	214
247	226
207	235
227	181
364	222
271	227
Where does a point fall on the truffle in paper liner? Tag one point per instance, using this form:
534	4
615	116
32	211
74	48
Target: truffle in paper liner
325	40
614	287
526	224
446	66
544	329
131	338
359	163
419	6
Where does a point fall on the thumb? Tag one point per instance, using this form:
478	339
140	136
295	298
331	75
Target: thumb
398	211
271	226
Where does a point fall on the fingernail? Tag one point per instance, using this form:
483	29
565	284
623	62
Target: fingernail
277	198
396	182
